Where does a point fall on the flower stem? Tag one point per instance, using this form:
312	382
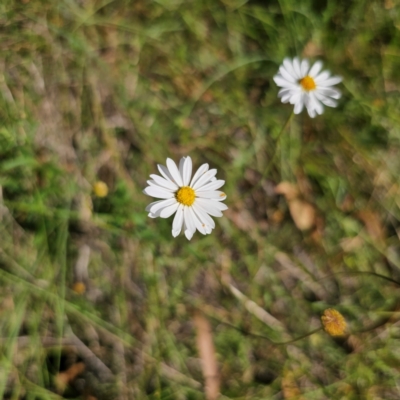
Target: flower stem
268	167
259	335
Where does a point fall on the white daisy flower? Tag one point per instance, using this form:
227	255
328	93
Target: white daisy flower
193	200
305	86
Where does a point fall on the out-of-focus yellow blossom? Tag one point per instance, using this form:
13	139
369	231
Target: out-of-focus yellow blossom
100	189
333	322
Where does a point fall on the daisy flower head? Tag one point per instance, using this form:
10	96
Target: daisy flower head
192	200
305	86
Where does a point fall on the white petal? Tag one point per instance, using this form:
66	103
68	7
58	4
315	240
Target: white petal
325	100
319	108
190	226
212	194
168	211
158	192
304	67
159	211
183	223
173	170
199	172
311	112
221	206
286	75
203	216
329	92
330	82
315	103
160	204
188	234
299	105
315	69
153	204
181	163
308	102
209	207
178	221
284	92
155	184
164	182
205	178
286	97
323	76
199	225
211	186
165	173
288	93
296	67
187	171
284	83
288	64
296	97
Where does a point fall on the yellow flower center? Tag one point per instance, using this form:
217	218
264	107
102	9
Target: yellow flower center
308	83
185	195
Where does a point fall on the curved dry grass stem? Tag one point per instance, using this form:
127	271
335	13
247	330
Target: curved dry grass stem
206	349
252	307
303	276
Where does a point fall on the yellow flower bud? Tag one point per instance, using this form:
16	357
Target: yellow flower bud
333	322
79	287
100	189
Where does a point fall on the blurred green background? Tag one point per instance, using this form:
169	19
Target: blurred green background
98	301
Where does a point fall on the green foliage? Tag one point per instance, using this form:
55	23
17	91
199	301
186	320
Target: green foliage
105	90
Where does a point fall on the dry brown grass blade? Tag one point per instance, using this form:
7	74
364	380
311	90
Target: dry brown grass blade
91	361
176	376
206	349
64	378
